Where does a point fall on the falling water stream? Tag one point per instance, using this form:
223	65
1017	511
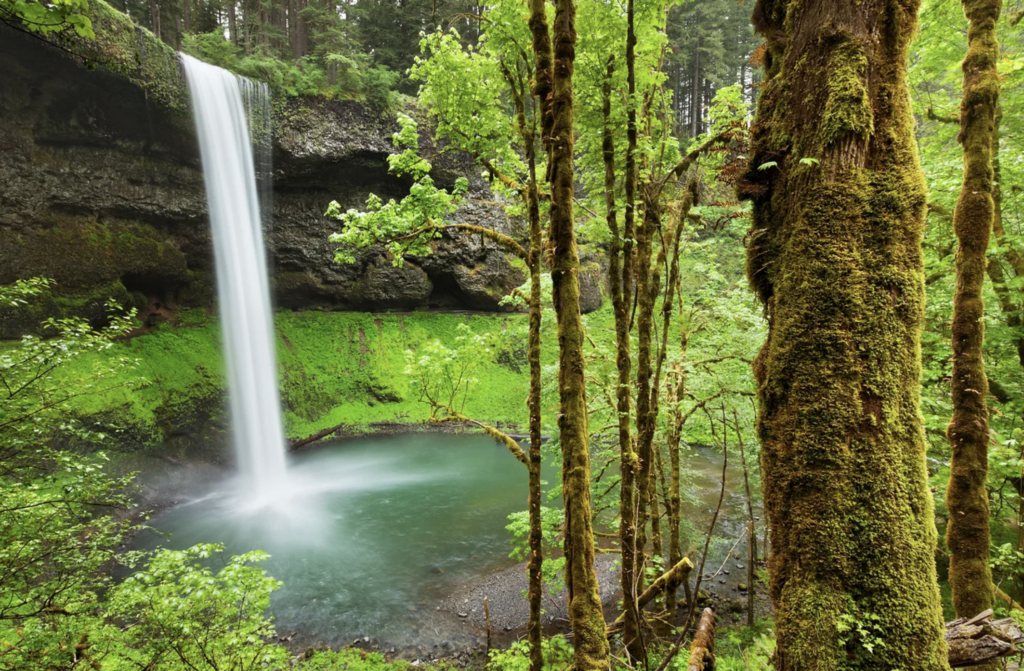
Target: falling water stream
225	144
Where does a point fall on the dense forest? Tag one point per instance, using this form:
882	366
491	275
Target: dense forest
646	334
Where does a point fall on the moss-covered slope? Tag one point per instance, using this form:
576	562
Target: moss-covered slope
335	368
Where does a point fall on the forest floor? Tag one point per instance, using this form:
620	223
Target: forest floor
509	612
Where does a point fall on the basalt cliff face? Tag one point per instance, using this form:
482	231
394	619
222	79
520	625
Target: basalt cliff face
101	190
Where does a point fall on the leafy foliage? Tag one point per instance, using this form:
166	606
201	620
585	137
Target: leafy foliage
178	614
552	523
405	227
557	656
354	75
56	16
443	375
64	522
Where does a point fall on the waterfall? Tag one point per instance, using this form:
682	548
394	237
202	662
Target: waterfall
240	255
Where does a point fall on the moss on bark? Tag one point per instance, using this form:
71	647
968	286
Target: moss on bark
835	257
967	533
554	66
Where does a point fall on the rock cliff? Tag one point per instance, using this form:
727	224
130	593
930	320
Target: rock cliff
102	191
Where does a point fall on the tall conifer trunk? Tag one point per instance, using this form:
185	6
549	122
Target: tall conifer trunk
967	533
835	257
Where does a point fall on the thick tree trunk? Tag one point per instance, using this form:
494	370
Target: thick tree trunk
967	533
835	257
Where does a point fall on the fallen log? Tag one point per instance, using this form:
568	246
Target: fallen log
315	437
979	640
667	581
702	651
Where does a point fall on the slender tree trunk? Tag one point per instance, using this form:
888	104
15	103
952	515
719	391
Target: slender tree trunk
967	532
654	505
835	257
1009	300
695	112
619	262
629	461
154	17
534	627
585	612
232	22
675	552
647	289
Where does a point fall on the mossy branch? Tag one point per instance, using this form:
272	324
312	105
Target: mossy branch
669	580
942	118
685	162
497	434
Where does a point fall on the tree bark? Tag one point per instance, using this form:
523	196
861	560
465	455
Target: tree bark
702	652
980	641
528	130
154	16
967	532
232	22
585	612
835	258
1009	303
629	501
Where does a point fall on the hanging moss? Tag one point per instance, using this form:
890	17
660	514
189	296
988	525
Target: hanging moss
835	257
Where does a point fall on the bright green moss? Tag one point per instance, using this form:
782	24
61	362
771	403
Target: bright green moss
133	52
336	368
848	107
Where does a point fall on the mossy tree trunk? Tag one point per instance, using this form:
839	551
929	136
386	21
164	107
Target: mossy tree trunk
967	533
835	257
620	262
631	571
554	59
535	627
